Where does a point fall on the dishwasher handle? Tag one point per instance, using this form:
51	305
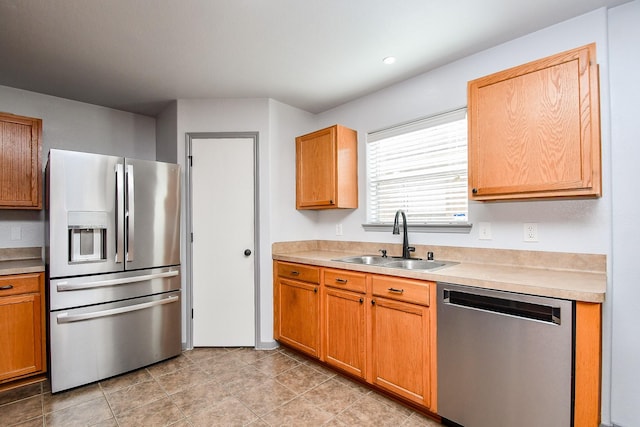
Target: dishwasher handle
511	307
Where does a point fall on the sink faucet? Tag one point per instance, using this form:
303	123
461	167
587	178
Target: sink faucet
406	249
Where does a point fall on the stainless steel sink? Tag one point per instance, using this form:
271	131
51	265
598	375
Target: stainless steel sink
406	264
364	259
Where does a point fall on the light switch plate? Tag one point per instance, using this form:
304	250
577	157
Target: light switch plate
484	231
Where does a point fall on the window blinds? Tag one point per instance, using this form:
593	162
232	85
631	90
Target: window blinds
421	168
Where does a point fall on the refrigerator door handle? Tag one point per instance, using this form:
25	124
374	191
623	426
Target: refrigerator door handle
130	215
119	214
65	286
68	318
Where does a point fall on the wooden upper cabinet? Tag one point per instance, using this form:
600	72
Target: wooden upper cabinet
20	162
327	169
534	130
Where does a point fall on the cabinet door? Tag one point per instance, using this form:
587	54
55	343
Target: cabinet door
316	169
20	335
344	333
400	349
20	170
534	130
298	310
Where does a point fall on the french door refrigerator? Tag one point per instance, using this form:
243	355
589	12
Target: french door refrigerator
112	254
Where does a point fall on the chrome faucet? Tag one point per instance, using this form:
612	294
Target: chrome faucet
406	249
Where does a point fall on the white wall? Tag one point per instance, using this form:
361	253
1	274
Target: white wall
166	131
571	226
624	39
72	125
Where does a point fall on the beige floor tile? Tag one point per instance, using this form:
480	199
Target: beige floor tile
275	364
158	413
125	380
334	396
21	410
199	397
34	422
266	397
298	412
369	412
169	366
133	396
228	412
199	354
182	379
65	399
301	378
245	378
218	365
419	420
250	355
83	414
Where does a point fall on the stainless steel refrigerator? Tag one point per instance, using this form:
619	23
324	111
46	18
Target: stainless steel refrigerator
112	252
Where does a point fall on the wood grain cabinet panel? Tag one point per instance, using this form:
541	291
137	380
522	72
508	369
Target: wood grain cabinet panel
22	331
400	349
20	162
345	330
534	130
327	169
297	310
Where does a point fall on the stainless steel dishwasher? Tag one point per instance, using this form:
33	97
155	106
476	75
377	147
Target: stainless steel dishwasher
504	359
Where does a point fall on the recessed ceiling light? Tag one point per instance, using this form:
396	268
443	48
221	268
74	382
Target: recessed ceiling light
389	60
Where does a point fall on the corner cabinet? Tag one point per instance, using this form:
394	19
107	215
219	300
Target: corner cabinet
297	306
22	331
534	130
20	162
327	169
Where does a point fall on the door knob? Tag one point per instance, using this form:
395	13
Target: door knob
247	252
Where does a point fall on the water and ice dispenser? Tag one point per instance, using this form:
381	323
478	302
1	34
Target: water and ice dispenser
87	236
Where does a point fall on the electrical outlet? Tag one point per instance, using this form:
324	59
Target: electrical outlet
530	232
338	229
484	231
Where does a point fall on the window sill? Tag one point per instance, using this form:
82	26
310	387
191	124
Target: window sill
450	227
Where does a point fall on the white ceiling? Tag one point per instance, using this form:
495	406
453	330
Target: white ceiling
137	55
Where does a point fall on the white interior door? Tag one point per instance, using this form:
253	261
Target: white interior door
222	210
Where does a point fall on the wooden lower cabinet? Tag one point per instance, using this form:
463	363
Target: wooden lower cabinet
399	349
297	308
344	332
22	331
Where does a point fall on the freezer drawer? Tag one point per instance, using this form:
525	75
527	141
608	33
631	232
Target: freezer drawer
96	342
100	288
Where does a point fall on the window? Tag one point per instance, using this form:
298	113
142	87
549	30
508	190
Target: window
421	168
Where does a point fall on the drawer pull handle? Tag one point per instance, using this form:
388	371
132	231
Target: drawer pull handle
6	287
295	273
343	281
396	291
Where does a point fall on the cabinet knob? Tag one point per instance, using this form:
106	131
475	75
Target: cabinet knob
361	300
474	190
373	302
247	252
315	290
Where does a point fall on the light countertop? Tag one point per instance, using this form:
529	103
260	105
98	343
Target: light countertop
20	261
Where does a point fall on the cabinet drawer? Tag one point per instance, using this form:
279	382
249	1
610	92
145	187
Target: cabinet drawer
19	284
345	280
302	272
408	290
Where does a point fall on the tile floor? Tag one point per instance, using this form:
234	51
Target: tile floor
212	387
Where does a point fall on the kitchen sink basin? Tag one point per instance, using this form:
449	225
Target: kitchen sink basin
365	259
406	264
